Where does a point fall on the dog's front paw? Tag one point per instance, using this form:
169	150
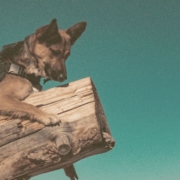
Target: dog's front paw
49	119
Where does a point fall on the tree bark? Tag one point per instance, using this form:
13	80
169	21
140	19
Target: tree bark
29	148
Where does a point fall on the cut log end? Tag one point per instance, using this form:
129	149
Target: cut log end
63	144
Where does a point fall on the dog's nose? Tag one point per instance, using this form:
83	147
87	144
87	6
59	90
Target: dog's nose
63	76
58	75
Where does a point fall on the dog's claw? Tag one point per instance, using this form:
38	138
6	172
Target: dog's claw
49	119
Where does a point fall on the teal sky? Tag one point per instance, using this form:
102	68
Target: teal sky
131	50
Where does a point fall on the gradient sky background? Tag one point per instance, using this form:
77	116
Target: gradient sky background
131	50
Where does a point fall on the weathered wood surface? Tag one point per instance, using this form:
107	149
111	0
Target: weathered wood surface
29	148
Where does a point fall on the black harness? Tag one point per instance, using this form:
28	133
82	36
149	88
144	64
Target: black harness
18	70
10	68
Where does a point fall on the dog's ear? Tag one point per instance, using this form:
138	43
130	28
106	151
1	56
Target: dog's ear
76	31
48	33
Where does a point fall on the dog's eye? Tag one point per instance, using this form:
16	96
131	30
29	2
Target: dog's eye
56	52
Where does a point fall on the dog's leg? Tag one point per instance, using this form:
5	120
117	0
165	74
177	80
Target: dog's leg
12	90
18	109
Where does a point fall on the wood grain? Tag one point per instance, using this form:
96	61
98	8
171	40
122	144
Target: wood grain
29	148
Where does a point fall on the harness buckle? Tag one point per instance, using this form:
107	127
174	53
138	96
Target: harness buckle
16	69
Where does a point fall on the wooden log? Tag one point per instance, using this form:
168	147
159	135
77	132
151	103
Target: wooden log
29	148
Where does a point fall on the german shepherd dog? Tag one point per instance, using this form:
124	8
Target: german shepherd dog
22	64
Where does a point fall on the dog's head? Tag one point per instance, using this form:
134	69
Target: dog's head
52	48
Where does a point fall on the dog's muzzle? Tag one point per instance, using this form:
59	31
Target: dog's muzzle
55	74
58	75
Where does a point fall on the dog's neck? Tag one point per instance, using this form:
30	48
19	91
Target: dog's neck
20	53
20	61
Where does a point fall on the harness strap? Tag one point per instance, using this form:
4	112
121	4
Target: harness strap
19	70
2	76
10	68
4	67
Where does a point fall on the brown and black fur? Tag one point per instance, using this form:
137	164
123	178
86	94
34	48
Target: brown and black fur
42	54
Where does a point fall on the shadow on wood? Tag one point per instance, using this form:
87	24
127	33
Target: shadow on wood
28	148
